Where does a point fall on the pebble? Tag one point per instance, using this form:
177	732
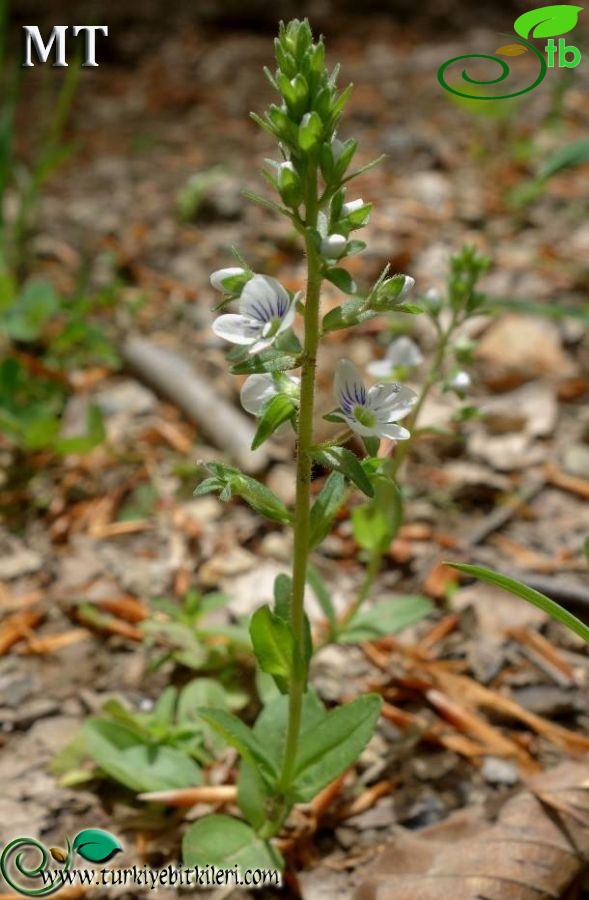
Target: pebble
499	771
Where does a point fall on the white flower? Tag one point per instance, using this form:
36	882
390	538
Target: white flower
258	390
333	246
352	206
218	277
372	412
265	310
401	353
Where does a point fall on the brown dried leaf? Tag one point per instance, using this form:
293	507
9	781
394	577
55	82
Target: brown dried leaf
531	851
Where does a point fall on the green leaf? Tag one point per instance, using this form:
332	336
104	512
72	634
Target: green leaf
96	845
325	508
574	154
140	766
282	596
340	459
280	409
272	640
345	316
586	548
31	311
320	590
252	795
526	593
225	842
330	747
547	21
385	617
271	725
229	480
342	279
238	735
375	524
268	361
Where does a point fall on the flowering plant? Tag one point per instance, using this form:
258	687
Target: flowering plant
296	747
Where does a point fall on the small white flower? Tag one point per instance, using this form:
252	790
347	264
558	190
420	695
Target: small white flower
258	390
401	353
333	246
337	148
265	310
460	381
218	277
352	206
372	412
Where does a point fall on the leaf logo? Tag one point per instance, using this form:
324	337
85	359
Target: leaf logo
511	50
95	845
547	21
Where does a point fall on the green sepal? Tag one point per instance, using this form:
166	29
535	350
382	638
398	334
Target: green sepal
340	459
278	410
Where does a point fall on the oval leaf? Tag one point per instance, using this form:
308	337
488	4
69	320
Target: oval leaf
547	21
224	841
511	50
96	845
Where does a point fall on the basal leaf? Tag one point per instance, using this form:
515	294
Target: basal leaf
238	735
330	747
385	617
225	842
136	764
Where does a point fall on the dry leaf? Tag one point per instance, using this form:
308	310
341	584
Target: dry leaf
531	851
511	50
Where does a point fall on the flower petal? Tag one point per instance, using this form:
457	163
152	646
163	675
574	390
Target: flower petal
256	391
263	298
236	329
391	402
394	432
348	387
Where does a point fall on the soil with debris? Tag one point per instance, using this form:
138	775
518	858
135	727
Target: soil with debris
486	692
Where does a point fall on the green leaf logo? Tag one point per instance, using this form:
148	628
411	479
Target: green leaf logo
547	21
96	845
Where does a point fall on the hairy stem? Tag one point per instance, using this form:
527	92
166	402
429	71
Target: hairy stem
303	495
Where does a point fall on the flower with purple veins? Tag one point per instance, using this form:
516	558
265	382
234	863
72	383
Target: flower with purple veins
372	412
266	309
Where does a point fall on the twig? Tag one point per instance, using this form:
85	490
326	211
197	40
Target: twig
174	378
505	513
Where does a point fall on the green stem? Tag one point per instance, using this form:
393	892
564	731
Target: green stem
396	463
303	495
432	377
370	576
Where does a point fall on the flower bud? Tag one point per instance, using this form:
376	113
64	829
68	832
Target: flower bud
289	184
230	280
432	301
333	246
352	206
459	381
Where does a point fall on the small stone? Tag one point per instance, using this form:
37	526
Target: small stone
499	771
128	397
576	460
431	768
